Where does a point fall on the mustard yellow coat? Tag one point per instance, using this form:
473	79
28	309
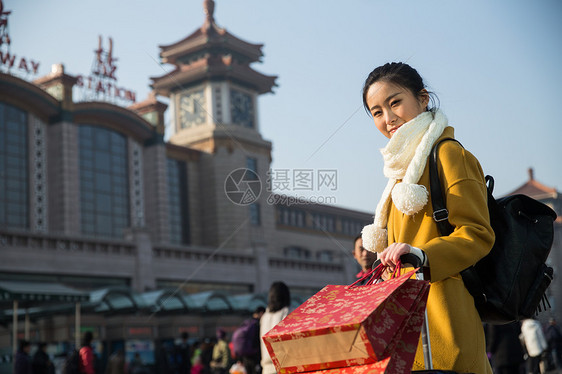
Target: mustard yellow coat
455	328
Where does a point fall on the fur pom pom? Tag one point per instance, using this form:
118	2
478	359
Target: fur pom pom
374	238
409	198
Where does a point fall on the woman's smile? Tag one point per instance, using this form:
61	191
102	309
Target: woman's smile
394	129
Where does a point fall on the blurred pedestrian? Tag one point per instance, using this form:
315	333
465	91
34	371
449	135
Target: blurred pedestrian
183	355
220	362
22	363
246	341
554	340
278	302
363	257
137	366
504	345
197	366
116	363
87	359
41	362
207	354
535	343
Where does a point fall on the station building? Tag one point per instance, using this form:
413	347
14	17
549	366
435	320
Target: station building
143	238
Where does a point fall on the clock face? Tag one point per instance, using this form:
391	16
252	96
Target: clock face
192	109
242	108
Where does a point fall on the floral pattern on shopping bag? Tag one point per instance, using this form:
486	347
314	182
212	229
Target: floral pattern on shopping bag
376	312
402	354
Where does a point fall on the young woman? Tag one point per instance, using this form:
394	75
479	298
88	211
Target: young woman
398	101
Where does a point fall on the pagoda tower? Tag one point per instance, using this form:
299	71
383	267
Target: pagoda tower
213	94
213	90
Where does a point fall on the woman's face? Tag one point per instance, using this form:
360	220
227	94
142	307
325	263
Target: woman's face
392	105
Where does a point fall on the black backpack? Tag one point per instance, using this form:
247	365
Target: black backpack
72	363
510	282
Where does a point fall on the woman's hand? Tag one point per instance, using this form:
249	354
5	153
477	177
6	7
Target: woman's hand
390	256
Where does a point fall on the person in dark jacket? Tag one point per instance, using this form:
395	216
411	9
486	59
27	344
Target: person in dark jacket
554	340
183	355
505	347
41	362
22	363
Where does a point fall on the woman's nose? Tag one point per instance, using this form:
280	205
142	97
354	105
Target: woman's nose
389	117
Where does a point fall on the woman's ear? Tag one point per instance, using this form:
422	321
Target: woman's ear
423	97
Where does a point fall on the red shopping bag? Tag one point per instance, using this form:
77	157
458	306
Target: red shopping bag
402	353
344	326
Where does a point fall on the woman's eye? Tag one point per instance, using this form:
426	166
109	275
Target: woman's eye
395	102
378	112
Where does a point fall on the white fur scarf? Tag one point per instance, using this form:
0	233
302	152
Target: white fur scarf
405	157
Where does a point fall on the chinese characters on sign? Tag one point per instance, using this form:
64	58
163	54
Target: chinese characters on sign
103	81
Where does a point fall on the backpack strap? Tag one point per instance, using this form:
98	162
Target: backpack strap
440	212
441	217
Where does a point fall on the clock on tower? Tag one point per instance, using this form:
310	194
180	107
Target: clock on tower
242	108
192	109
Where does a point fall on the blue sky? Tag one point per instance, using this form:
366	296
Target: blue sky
495	65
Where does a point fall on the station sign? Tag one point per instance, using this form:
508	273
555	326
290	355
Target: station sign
10	62
101	83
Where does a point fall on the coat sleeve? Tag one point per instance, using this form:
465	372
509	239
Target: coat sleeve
466	197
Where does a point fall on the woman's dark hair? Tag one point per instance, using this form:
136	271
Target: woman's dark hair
279	296
402	75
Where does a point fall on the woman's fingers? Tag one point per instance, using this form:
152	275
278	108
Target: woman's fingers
391	255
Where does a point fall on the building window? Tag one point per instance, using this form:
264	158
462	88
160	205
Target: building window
252	164
296	252
293	218
14	178
255	216
330	226
325	255
285	217
300	219
177	202
104	182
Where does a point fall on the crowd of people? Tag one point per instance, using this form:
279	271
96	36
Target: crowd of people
525	347
240	354
39	363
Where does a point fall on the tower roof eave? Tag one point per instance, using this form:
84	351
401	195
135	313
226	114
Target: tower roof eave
213	69
205	38
535	189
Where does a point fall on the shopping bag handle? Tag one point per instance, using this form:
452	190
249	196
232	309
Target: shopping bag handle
376	272
408	258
